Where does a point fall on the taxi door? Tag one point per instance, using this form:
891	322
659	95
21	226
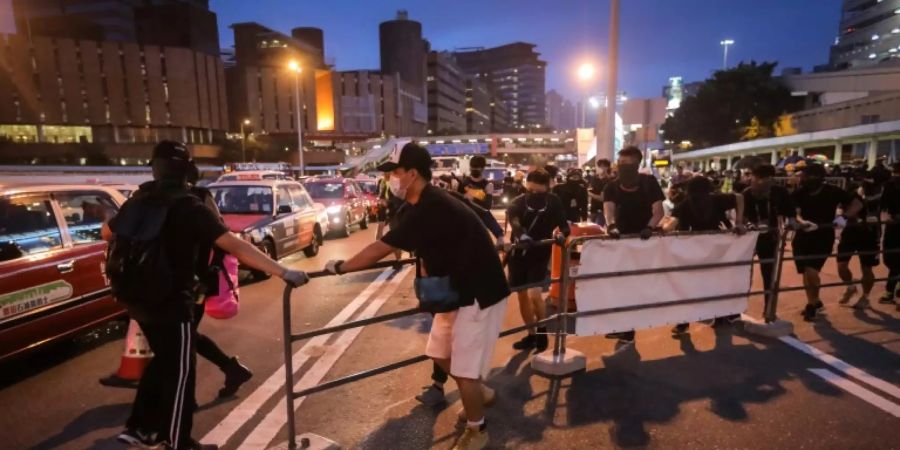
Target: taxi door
284	227
305	215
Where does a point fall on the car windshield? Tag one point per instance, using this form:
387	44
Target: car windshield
325	190
243	199
369	187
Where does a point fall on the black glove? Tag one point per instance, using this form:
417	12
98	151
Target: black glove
613	231
646	233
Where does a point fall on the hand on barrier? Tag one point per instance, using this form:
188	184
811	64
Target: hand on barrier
334	266
740	230
613	231
646	233
840	222
807	226
525	239
295	278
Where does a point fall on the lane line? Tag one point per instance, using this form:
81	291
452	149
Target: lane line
859	391
268	429
842	366
251	405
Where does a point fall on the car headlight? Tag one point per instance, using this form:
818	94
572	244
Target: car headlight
505	200
333	209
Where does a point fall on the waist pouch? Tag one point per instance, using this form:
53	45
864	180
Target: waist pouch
435	294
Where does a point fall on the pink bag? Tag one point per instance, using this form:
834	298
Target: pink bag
224	305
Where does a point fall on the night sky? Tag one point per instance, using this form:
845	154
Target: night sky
659	38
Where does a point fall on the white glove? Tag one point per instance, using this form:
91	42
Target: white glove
808	226
525	238
295	278
840	222
334	266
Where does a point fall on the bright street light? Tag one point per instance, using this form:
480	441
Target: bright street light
725	44
586	71
244	140
294	66
594	102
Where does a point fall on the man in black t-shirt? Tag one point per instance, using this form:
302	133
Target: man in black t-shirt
573	195
890	207
595	192
475	187
862	238
163	408
534	216
816	204
767	206
450	241
632	204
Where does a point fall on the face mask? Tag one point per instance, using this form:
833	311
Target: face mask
397	188
812	183
628	173
476	173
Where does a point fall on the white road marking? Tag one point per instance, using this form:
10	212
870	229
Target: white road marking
859	391
268	429
843	367
251	405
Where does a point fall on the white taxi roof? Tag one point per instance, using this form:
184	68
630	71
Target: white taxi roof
24	188
244	175
268	183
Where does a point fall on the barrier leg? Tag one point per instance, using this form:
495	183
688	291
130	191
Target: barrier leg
771	325
560	362
308	441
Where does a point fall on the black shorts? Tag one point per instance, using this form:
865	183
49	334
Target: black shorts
527	269
818	242
859	239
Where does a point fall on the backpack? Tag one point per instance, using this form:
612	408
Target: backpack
223	303
137	263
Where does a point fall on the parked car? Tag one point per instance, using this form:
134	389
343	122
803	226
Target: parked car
277	216
343	200
254	175
369	189
52	263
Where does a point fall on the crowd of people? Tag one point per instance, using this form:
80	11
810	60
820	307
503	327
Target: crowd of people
167	230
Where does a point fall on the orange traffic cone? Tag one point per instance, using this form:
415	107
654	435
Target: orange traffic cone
135	359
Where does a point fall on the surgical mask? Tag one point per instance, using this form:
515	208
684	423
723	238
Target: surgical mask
629	174
476	173
397	188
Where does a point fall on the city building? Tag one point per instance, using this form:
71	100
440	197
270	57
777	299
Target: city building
114	99
515	75
869	34
187	24
500	120
561	113
373	103
478	106
642	119
677	90
446	95
403	51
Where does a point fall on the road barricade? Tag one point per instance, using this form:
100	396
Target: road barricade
134	360
578	229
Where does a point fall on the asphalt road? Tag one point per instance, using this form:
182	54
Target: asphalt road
719	388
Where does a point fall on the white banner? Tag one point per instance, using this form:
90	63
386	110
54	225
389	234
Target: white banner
603	256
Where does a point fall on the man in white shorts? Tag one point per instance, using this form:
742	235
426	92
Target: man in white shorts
450	240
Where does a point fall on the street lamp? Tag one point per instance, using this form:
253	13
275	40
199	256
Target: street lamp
725	44
585	73
244	140
294	66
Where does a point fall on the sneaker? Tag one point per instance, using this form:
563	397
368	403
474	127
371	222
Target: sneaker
526	343
848	294
680	330
138	438
472	439
623	336
236	374
431	396
862	303
541	341
811	310
887	299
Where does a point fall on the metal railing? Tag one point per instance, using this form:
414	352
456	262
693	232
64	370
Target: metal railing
565	279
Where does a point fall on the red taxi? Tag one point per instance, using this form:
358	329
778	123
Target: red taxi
343	200
52	263
278	216
369	189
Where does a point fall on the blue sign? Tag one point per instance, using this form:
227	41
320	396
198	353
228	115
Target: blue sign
458	149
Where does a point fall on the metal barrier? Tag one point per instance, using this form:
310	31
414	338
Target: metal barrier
559	345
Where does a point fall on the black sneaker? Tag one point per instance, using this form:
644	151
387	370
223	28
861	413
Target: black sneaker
887	299
526	343
138	438
810	311
236	374
541	341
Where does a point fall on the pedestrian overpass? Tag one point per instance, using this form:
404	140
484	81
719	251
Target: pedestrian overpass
869	141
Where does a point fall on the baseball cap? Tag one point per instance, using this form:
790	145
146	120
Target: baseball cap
411	156
172	151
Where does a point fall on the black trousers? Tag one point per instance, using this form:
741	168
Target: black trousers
206	347
165	396
437	374
766	248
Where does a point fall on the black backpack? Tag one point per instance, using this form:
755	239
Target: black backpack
137	263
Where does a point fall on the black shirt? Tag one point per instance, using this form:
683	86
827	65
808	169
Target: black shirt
188	234
451	241
704	214
598	184
765	210
479	189
634	209
536	216
890	197
821	207
574	199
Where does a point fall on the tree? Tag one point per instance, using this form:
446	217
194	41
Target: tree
740	103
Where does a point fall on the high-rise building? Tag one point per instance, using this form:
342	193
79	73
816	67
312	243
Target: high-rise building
500	122
516	75
446	94
375	103
561	113
403	51
869	34
478	106
178	24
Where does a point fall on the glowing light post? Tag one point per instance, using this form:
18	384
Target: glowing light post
294	66
725	44
244	140
585	74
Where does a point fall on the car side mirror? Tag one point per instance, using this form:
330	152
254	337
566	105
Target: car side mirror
285	209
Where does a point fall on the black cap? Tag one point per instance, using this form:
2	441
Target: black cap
411	156
172	151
